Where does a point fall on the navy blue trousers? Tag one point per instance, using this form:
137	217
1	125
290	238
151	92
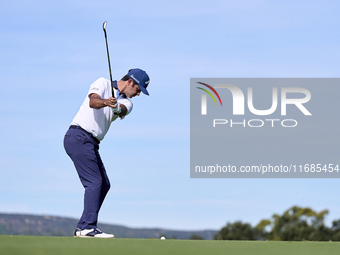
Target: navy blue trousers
83	151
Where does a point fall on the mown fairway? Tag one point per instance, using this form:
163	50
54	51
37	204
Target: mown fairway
68	245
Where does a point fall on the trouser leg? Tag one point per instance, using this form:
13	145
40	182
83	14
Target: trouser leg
105	181
85	156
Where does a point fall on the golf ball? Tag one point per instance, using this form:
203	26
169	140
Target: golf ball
162	238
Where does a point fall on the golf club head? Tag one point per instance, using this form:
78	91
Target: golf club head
104	25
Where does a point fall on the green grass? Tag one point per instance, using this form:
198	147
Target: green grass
68	245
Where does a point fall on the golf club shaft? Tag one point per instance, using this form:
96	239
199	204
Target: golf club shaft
108	57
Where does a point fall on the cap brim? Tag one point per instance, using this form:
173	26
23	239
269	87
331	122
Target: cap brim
143	90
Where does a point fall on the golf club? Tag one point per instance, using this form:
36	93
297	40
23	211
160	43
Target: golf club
108	57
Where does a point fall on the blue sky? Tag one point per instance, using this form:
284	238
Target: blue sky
51	51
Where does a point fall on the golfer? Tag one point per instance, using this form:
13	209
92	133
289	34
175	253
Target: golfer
87	129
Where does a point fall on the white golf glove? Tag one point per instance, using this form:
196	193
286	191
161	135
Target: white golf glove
117	110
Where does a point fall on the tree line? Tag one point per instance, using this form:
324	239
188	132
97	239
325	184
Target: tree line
295	224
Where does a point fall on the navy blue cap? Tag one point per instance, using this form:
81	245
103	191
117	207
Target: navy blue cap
141	78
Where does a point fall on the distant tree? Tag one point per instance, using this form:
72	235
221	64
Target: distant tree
236	231
196	237
296	224
261	231
336	230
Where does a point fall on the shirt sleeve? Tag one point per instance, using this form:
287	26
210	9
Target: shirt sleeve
98	87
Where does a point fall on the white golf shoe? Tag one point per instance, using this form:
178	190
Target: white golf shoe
95	232
77	232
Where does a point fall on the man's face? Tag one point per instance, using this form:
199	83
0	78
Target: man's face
132	89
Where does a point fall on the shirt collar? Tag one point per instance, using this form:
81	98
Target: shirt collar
114	84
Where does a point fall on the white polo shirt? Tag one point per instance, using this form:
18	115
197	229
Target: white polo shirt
98	121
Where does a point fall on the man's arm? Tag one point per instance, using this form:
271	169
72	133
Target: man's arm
96	102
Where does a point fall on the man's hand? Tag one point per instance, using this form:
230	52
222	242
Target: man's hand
96	102
116	109
112	102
